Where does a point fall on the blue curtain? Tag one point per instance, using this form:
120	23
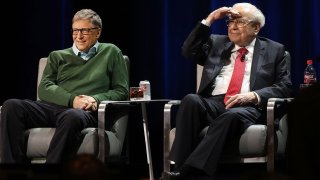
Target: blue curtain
151	33
295	24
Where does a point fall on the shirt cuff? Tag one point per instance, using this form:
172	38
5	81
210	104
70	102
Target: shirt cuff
204	22
258	97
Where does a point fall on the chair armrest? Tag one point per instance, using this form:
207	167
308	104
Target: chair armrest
101	129
0	115
166	132
101	126
273	104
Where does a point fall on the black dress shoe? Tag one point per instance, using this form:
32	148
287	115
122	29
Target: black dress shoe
183	172
175	175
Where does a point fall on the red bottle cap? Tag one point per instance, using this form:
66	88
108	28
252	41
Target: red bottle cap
309	62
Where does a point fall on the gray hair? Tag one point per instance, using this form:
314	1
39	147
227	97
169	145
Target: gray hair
89	15
254	12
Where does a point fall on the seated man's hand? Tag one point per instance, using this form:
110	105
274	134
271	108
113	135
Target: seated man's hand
85	102
241	100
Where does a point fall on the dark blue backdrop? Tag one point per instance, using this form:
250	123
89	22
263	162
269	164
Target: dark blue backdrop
150	32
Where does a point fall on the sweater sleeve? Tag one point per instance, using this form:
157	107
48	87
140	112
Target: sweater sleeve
48	89
119	78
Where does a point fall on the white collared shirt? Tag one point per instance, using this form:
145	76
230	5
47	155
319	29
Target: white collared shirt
92	51
223	79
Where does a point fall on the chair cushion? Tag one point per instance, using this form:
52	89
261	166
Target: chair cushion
39	140
91	140
252	141
282	134
171	136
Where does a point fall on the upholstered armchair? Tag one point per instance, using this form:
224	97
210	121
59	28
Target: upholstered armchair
260	143
101	141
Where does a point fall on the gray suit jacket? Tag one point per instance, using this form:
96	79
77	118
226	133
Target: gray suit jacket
270	72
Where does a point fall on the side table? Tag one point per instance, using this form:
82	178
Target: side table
144	121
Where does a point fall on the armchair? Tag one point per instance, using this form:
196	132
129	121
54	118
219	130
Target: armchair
259	143
101	141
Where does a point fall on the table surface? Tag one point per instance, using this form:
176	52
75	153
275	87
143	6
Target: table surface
138	101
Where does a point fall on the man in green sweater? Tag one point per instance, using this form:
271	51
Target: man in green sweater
74	82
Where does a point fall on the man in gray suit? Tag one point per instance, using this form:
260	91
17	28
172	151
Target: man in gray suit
266	75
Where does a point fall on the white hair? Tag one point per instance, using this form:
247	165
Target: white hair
253	11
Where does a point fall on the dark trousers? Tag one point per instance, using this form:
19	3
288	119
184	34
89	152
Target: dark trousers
195	113
18	115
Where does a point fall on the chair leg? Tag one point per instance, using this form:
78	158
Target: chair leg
166	137
101	131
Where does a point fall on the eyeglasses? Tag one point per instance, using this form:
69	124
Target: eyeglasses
239	22
84	31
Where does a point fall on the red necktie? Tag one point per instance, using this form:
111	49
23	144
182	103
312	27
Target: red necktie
237	75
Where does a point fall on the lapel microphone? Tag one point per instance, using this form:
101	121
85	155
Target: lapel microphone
243	57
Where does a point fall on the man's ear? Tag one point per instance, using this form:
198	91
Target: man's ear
257	28
98	33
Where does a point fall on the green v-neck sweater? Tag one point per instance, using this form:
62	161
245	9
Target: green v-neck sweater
66	75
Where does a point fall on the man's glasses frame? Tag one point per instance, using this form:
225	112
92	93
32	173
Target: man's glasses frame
238	22
83	31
